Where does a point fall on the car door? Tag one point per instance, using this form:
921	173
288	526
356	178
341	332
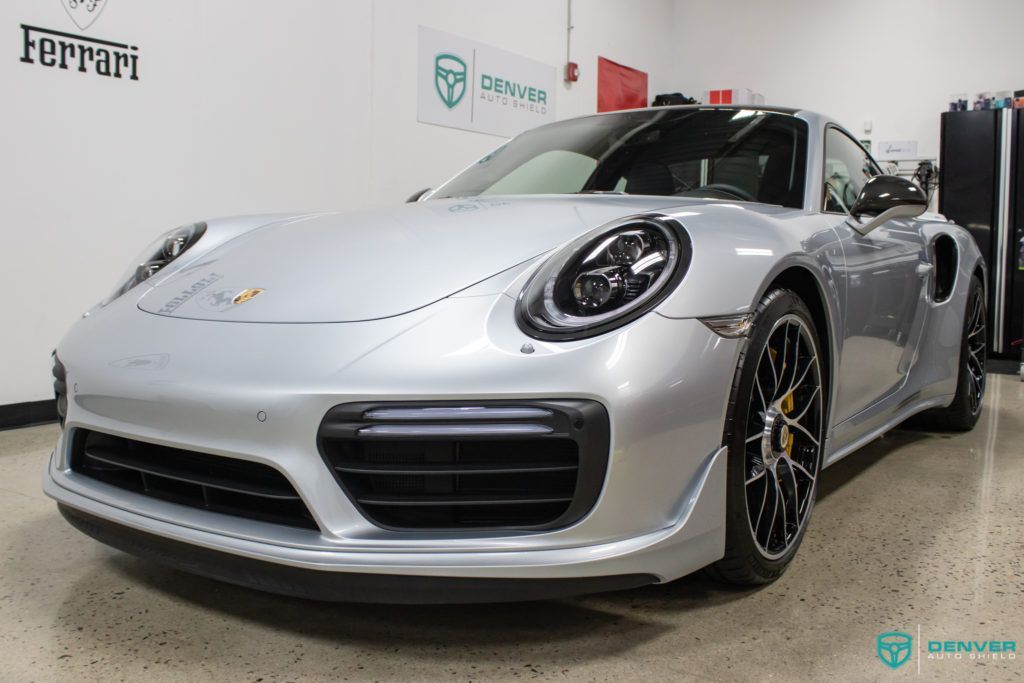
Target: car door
884	276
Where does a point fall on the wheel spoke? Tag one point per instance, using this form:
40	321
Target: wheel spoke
760	393
775	509
973	324
797	466
756	477
760	514
976	370
793	382
977	324
800	427
771	364
783	357
798	503
797	382
810	402
783	505
791	492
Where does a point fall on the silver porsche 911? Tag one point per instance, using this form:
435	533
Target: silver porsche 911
614	351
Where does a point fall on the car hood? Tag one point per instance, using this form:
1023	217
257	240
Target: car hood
379	263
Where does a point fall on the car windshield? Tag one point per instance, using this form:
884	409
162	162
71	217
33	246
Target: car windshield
743	154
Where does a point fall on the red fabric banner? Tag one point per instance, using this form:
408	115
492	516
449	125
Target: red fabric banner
620	87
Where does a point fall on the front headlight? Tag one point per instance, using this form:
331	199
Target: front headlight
157	255
605	279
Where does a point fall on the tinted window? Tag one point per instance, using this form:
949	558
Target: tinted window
847	168
558	170
719	153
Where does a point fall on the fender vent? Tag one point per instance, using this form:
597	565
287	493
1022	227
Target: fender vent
482	465
945	253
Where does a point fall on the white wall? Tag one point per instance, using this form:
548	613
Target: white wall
893	62
241	107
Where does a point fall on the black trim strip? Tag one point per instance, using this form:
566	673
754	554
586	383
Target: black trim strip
339	586
448	470
28	414
457	500
107	456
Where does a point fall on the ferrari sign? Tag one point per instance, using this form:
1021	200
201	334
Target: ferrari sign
71	52
465	84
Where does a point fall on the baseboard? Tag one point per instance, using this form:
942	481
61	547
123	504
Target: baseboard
28	414
1003	366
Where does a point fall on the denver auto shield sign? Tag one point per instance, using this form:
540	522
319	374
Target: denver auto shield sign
465	84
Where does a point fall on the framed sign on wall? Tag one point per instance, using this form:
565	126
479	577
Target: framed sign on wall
469	85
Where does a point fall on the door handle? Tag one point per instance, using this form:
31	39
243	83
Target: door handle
924	270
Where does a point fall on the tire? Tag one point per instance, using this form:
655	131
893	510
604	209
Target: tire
771	461
963	413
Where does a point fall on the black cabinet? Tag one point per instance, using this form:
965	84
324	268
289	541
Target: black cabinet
982	188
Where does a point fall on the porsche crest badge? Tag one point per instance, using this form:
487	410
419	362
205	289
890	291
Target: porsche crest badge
246	295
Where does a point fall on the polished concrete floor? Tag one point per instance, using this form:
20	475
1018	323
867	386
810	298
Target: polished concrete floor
917	530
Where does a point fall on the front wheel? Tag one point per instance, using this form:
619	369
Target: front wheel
774	433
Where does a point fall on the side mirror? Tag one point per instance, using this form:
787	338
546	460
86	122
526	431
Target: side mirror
417	196
885	197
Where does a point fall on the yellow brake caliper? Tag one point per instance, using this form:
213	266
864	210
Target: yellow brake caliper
787	408
787	404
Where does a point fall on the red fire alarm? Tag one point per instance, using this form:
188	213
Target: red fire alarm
572	72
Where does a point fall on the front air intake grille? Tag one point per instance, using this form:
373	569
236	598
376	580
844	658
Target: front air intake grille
504	465
212	482
60	388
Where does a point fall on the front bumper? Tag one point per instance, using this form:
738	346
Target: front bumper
337	586
660	514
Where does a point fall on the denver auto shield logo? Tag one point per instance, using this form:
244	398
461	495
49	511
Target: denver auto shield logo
893	648
85	54
450	78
